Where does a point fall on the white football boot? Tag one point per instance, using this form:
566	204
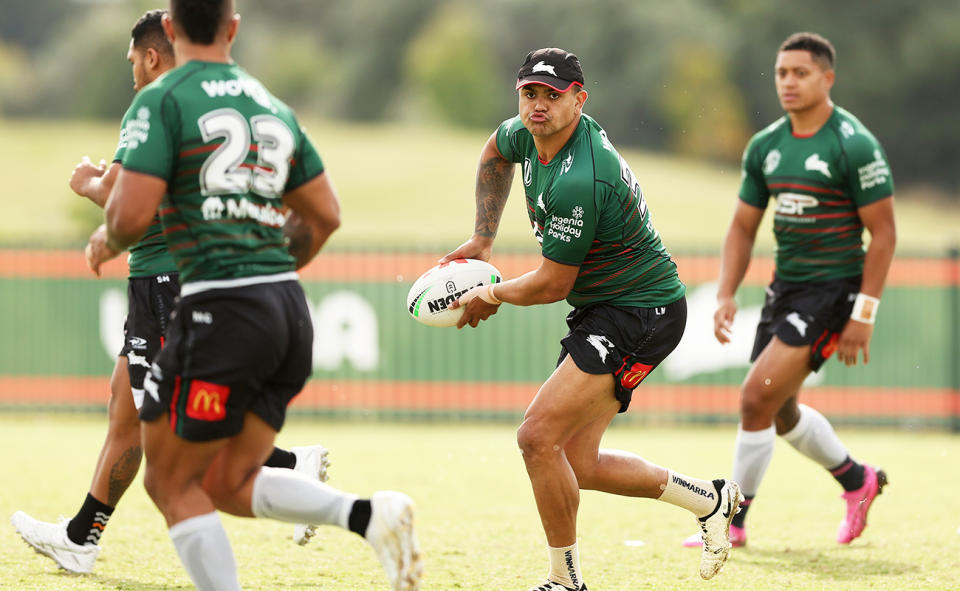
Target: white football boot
393	539
312	462
50	539
715	530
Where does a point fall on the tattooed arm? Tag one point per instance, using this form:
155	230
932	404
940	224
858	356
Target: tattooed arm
494	178
315	215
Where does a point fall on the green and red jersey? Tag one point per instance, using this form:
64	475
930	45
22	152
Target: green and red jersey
149	256
818	182
228	151
588	210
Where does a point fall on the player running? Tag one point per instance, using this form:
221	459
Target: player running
830	179
220	156
602	254
152	288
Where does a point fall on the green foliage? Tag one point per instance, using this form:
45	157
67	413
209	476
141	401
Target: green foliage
688	75
477	521
705	110
450	63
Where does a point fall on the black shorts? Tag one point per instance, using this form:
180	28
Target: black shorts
230	351
150	300
625	341
811	313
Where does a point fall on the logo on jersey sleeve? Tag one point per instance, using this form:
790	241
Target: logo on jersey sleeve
566	164
874	173
847	130
527	172
815	164
207	401
771	162
137	130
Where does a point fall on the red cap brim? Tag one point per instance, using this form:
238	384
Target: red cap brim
554	83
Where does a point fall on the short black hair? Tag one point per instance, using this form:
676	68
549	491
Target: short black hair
200	19
819	47
148	33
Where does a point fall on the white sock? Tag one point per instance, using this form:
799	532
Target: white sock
695	495
565	566
287	495
751	456
205	552
814	437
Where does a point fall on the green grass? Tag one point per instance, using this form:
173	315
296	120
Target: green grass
408	186
477	521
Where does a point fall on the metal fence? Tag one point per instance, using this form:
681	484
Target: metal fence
61	328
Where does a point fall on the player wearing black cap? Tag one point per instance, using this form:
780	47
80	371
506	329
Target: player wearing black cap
602	254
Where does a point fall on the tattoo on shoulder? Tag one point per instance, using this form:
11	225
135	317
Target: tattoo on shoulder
494	177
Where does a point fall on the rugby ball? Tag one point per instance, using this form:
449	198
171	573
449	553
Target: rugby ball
429	299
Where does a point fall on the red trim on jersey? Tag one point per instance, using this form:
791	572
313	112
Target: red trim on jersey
818	230
803	136
181	246
188	171
173	229
823	216
200	150
805	188
167	211
542	161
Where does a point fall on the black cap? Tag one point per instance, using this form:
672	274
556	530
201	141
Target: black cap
557	68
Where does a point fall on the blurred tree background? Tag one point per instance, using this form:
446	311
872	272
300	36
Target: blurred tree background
692	77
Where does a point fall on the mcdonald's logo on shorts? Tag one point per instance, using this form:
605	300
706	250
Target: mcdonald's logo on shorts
207	401
631	378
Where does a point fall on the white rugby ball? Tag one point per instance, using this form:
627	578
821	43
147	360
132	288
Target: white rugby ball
429	299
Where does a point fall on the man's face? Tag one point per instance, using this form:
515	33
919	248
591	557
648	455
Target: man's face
802	83
545	111
138	60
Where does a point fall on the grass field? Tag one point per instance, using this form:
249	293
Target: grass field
405	186
478	524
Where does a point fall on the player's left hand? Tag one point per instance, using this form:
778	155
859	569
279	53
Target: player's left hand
97	251
855	336
83	175
477	308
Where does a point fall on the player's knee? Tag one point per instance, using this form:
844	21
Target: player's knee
535	440
756	403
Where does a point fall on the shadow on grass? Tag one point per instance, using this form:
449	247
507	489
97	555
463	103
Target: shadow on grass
135	585
841	564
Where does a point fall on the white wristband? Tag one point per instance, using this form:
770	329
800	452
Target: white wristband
865	308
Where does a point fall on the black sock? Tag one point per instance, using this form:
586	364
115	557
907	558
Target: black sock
849	474
360	516
281	458
739	517
89	522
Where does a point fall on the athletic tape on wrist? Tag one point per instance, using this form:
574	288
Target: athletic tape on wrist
488	296
865	308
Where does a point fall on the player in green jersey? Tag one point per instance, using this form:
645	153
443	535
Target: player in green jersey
223	156
602	254
152	288
830	179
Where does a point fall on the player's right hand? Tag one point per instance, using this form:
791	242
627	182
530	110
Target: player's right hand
478	247
83	173
723	319
97	252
